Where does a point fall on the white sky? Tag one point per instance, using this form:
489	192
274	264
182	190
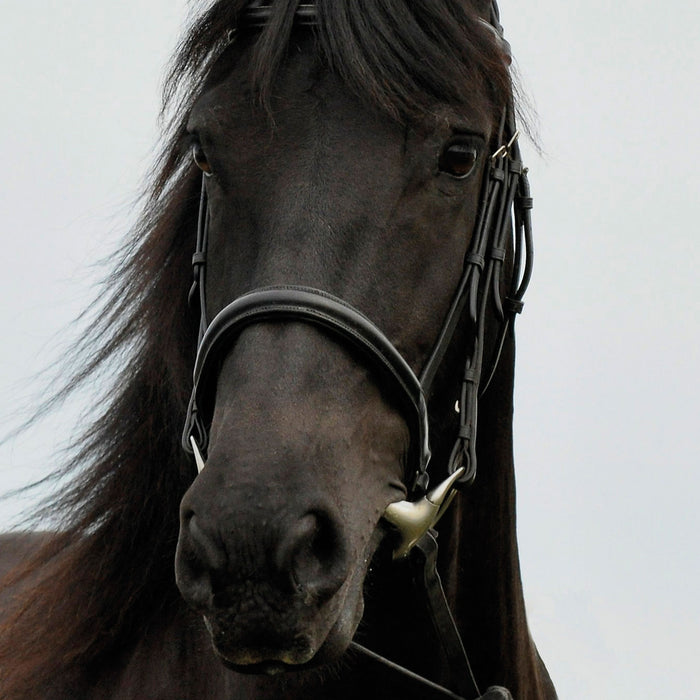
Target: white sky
607	378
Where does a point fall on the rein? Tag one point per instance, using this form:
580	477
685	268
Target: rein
503	224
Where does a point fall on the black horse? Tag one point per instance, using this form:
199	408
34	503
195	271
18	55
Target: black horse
344	172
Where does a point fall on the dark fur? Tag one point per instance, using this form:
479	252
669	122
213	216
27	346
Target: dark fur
106	579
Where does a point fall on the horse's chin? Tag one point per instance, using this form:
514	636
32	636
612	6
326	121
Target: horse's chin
309	650
329	653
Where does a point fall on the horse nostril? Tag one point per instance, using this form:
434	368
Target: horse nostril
312	556
199	555
210	549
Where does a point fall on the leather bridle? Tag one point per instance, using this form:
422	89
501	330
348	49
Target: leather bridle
503	225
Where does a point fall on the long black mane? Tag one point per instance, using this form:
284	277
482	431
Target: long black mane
108	575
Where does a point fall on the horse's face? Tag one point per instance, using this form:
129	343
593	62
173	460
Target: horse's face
306	449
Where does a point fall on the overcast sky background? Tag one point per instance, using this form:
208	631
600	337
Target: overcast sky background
607	376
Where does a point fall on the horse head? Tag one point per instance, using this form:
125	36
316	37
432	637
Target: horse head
332	221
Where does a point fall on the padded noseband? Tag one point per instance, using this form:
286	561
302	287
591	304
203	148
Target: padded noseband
319	308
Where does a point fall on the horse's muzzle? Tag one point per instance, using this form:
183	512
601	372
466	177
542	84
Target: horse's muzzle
269	600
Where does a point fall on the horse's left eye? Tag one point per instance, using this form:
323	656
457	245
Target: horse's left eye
458	159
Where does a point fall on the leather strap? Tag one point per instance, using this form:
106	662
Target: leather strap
423	559
462	683
504	215
429	690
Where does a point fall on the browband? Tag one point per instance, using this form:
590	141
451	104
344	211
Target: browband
257	13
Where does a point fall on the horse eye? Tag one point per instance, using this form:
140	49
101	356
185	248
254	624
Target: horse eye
200	158
458	159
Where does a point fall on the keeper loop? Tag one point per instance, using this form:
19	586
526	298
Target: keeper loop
470	376
516	167
475	259
466	432
515	306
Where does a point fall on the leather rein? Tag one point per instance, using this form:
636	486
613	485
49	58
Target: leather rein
503	224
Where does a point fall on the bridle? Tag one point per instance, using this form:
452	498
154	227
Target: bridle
503	225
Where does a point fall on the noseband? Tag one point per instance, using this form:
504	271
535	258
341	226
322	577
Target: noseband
292	303
503	225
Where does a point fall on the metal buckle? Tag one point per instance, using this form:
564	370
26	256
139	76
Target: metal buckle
504	150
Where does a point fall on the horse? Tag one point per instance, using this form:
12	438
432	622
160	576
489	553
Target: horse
322	287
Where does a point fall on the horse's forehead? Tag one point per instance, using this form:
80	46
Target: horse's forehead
307	93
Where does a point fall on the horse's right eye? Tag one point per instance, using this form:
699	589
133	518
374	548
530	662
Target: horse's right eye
459	159
200	158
